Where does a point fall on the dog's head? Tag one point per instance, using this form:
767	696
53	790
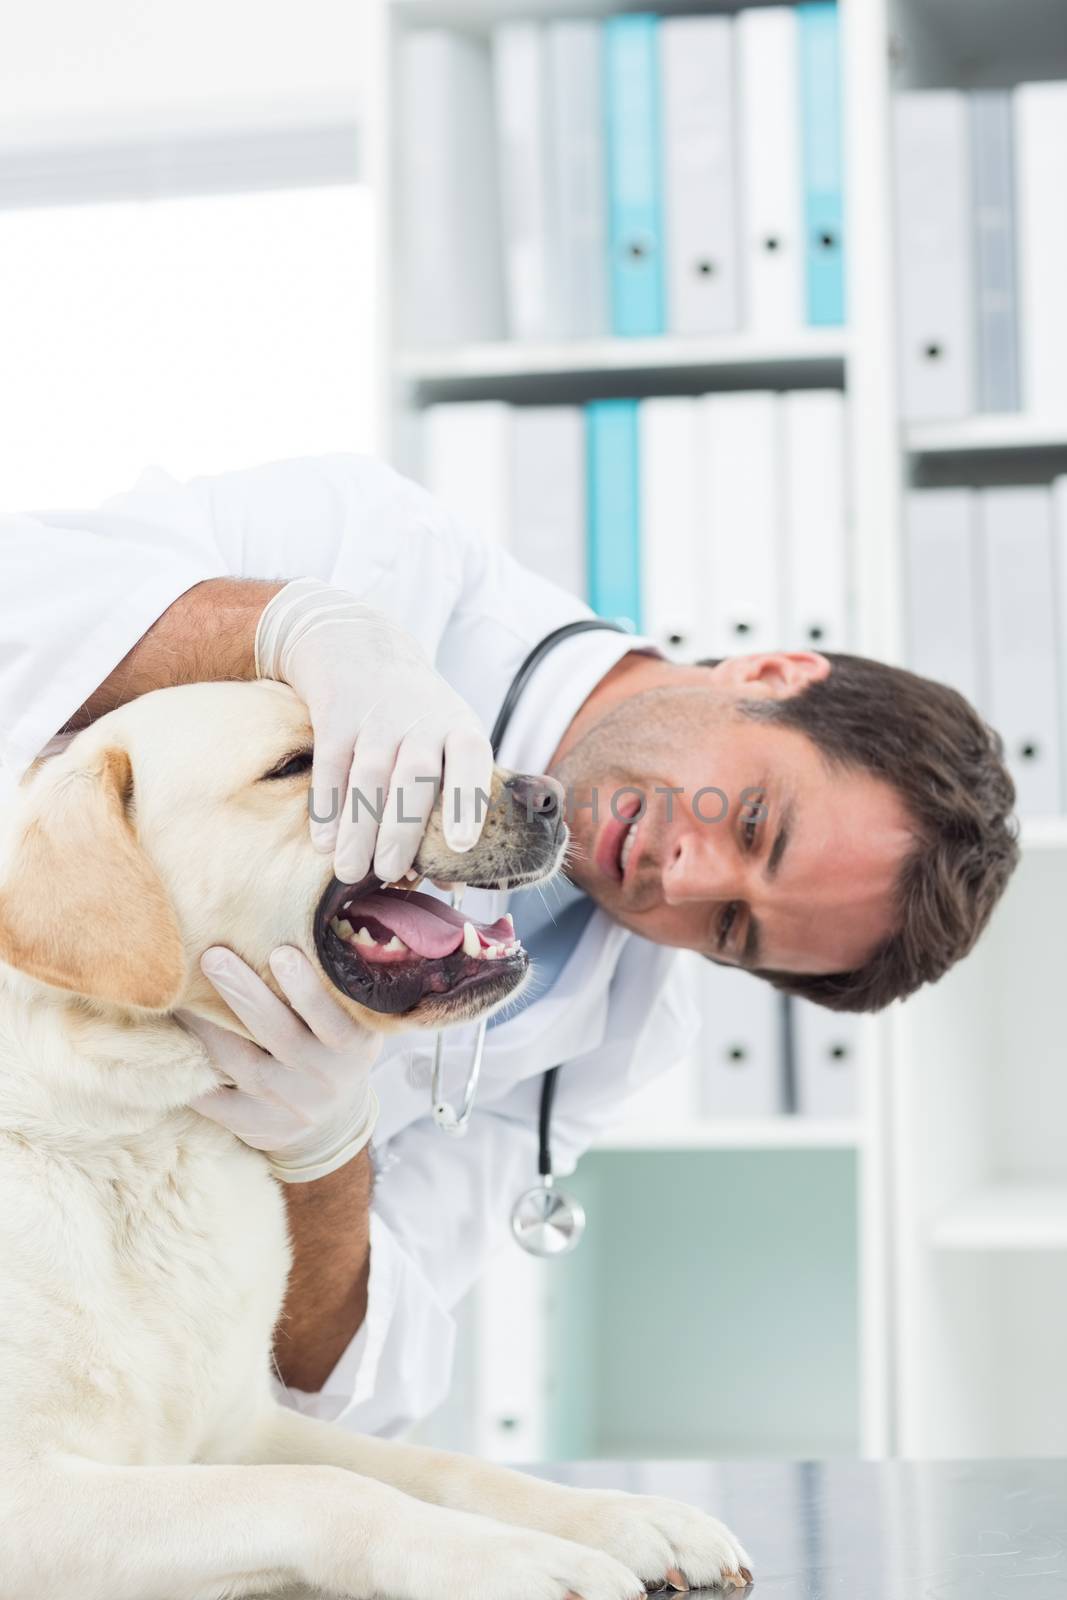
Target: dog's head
181	821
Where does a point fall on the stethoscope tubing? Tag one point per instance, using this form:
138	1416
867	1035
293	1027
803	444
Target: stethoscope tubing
544	1220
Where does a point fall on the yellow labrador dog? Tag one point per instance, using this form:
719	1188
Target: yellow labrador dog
143	1249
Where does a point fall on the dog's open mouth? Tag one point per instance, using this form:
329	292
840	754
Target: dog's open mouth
390	949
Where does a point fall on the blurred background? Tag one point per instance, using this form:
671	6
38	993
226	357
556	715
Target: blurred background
550	257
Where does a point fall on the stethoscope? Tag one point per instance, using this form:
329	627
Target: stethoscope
545	1221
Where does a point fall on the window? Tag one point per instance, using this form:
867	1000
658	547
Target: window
199	334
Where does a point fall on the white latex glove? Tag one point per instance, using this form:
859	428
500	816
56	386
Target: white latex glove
305	1098
384	721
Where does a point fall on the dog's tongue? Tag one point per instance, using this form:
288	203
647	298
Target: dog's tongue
425	925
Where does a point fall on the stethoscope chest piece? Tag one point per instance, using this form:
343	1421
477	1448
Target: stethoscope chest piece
546	1221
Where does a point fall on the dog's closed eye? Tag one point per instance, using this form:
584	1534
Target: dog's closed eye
291	767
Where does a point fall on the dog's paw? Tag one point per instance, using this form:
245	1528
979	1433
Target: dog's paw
444	1553
663	1541
520	1564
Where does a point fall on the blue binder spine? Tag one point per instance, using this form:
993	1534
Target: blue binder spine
613	490
631	64
824	212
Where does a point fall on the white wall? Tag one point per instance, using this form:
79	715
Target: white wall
106	69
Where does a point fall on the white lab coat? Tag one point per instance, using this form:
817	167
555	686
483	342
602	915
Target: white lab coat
78	589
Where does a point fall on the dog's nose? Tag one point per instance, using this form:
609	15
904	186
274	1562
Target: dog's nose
536	797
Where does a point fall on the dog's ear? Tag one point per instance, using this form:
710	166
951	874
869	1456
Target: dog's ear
81	906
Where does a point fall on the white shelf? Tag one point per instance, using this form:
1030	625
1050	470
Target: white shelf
1006	1216
818	347
757	1133
481	15
1016	430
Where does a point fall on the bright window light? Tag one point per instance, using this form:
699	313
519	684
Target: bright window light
198	334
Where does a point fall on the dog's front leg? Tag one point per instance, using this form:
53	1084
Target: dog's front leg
78	1527
659	1539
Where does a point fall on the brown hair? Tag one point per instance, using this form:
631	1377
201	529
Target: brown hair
931	745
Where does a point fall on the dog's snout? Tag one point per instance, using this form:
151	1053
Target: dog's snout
523	838
536	796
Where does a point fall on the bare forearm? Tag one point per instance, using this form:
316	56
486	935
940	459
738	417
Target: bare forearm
207	634
326	1299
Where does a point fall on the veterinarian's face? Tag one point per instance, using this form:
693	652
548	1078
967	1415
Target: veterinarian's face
183	820
763	856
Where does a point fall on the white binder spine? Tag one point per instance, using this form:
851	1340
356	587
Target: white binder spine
739	1054
768	122
699	183
578	181
816	520
741	497
1017	540
671	546
467	464
934	249
826	1047
944	602
1059	551
527	204
1041	139
449	225
547	518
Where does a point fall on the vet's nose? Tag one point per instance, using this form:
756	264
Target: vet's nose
536	797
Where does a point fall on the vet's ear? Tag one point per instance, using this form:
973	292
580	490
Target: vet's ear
82	907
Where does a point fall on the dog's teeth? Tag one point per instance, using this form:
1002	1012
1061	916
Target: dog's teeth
412	876
507	917
342	926
365	937
472	945
395	943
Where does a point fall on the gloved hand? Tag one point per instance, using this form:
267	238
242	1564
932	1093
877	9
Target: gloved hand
305	1098
383	720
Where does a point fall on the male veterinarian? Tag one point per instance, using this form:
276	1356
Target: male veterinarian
864	843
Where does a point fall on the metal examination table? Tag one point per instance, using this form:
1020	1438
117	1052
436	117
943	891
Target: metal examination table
975	1530
857	1530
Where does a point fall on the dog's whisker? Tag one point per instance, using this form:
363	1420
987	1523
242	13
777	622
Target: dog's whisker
541	891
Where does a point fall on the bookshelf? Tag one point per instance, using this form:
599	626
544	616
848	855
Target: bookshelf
813	354
954	1169
1015	431
977	1107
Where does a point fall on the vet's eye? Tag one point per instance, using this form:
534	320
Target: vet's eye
751	817
291	767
